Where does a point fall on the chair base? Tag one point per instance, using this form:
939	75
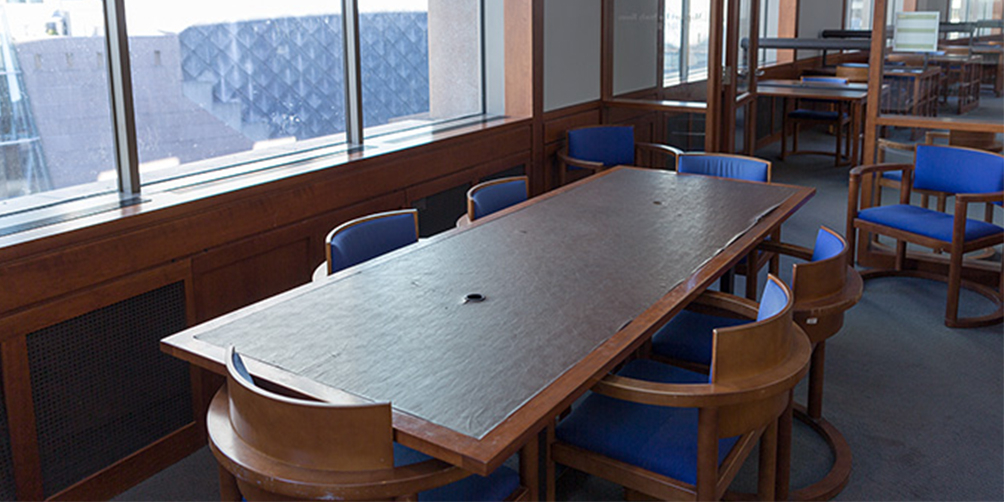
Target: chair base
967	322
835	480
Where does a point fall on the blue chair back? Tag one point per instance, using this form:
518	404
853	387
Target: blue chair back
772	301
724	166
241	369
370	236
826	80
611	145
958	170
495	195
827	246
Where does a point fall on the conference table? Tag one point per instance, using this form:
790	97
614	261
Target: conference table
855	94
480	336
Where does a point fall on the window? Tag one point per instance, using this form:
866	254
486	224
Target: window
55	120
687	29
239	85
770	17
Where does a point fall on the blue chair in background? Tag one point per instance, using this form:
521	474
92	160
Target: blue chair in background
833	116
362	239
737	167
974	176
494	195
672	434
600	147
276	447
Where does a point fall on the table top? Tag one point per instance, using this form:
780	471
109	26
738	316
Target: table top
854	86
813	90
573	281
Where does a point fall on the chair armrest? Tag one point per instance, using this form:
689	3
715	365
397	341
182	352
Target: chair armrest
781	378
670	151
713	301
859	171
584	164
784	248
969	198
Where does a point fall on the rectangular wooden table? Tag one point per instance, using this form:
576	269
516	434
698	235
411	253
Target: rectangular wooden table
573	282
854	94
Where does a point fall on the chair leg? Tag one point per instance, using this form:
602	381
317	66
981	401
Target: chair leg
783	473
707	453
784	138
752	276
900	255
229	492
767	470
816	368
954	283
727	284
836	154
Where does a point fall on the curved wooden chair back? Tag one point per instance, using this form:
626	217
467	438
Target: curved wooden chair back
739	167
308	434
362	239
743	353
853	73
823	281
494	195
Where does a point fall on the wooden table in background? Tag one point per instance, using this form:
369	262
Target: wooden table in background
854	94
574	281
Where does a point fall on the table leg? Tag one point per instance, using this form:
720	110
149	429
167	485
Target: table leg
529	467
855	132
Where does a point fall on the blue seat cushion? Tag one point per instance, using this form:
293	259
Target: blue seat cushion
926	222
497	486
656	438
688	337
817	115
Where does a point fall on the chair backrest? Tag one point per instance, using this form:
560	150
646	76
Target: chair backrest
958	170
822	278
361	239
748	350
611	145
826	80
309	434
853	73
494	195
737	167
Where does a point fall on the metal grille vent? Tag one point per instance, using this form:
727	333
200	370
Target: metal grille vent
102	388
7	489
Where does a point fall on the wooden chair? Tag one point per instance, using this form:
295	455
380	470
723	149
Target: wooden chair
275	447
975	177
824	288
738	167
494	195
834	117
691	443
857	73
597	148
362	239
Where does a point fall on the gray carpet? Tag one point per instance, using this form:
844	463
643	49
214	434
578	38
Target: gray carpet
921	405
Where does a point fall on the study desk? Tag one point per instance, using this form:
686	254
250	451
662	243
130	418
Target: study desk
573	282
854	94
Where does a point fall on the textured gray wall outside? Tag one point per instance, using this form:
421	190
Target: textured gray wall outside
102	388
7	490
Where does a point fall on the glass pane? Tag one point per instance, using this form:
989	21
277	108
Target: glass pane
55	123
421	62
745	56
699	21
218	83
770	16
673	40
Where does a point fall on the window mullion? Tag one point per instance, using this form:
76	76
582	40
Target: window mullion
353	74
121	97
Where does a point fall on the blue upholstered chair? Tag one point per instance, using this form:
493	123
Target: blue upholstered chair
737	167
673	434
974	176
494	195
834	116
600	147
362	239
276	447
